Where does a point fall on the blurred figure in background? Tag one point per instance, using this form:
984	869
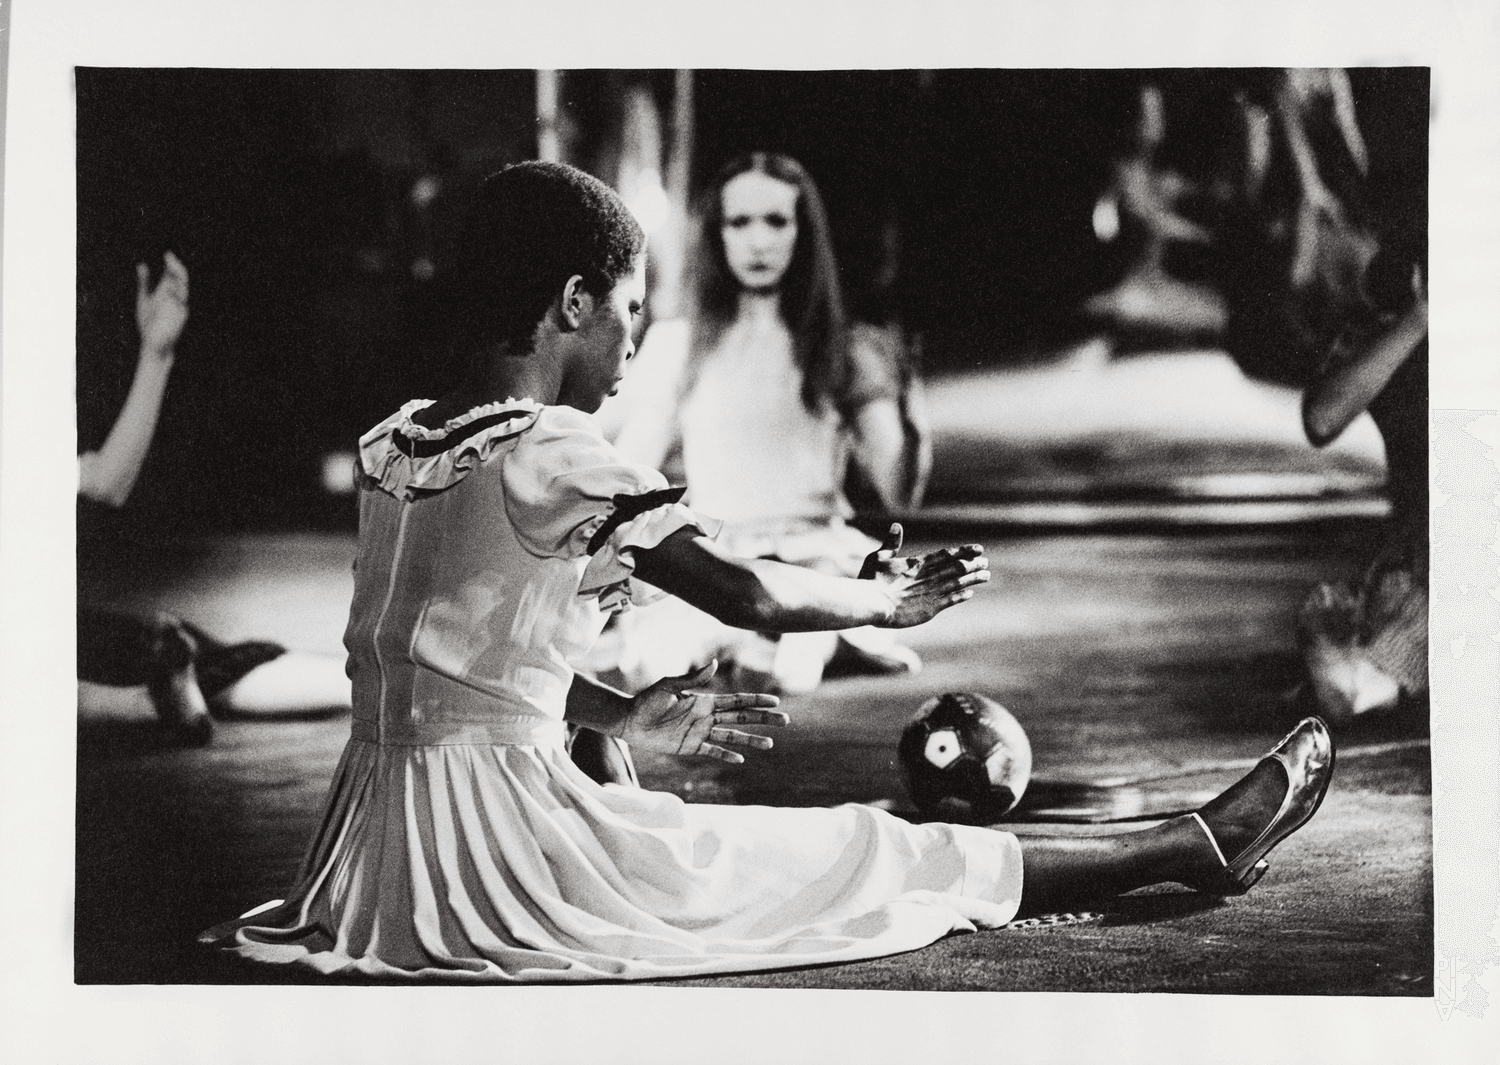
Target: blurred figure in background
1145	210
766	390
1325	245
1356	282
184	672
1311	242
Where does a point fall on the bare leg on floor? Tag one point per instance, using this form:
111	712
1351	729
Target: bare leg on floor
1064	871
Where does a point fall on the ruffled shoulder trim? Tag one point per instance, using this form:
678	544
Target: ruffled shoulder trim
636	523
403	458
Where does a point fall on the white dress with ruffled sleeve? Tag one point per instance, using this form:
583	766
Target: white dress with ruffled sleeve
459	841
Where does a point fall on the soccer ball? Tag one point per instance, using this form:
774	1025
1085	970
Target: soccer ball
966	759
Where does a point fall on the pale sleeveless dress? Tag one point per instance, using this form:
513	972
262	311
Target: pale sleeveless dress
757	458
459	840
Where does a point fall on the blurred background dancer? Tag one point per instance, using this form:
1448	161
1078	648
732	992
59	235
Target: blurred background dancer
766	390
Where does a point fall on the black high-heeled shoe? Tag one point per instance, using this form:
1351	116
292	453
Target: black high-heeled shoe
1307	755
173	687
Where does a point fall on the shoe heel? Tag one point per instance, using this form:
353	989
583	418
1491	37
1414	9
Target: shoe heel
1254	873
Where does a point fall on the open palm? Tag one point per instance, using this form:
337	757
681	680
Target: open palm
670	718
922	586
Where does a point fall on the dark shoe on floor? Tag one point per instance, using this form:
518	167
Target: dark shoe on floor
852	660
174	688
220	665
1307	757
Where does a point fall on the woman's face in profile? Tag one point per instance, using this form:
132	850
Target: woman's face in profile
759	229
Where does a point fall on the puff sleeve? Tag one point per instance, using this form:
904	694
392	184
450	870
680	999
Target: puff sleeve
569	494
877	366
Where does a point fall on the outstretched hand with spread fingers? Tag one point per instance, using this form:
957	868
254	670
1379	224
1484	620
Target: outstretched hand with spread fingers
922	586
670	718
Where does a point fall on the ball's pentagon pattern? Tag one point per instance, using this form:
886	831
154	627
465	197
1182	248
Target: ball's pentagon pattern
942	748
966	759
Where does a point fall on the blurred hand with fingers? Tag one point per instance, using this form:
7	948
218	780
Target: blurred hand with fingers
161	312
107	475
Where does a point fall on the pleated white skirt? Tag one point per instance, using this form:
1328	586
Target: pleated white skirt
497	863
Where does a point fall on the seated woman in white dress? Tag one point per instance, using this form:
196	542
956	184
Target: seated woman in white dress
769	390
498	530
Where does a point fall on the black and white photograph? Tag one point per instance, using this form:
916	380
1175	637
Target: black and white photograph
736	532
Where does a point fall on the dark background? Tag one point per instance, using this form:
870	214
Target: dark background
289	194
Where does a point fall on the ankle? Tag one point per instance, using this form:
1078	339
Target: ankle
1196	852
1207	833
172	648
1235	818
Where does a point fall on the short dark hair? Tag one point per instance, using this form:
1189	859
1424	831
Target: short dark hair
533	225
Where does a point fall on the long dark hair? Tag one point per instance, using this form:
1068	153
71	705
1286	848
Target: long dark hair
812	304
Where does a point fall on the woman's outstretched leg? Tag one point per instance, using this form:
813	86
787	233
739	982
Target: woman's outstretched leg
1215	850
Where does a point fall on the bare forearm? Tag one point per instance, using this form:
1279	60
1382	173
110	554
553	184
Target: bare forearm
794	599
890	453
760	594
596	706
109	474
1336	400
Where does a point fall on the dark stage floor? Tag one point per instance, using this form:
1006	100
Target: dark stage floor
1125	656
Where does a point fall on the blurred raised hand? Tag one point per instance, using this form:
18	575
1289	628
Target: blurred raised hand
161	312
107	475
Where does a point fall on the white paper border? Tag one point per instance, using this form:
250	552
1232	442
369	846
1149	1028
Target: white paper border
45	1018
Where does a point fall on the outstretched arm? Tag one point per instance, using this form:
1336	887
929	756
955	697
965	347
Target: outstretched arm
768	596
107	475
1342	394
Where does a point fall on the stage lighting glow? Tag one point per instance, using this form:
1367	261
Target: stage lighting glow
1106	219
338	473
650	204
424	190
